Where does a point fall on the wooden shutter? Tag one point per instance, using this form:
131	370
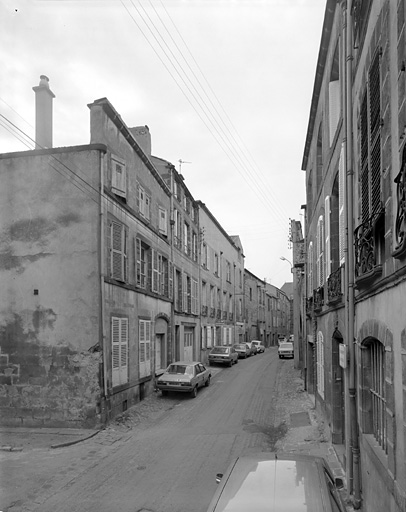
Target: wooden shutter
119	341
155	271
118	251
320	251
118	178
334	107
327	258
342	221
144	348
310	283
170	279
374	80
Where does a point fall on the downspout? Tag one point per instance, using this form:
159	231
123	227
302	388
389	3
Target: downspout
102	263
172	224
350	263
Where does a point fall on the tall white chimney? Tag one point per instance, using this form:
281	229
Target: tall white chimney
43	113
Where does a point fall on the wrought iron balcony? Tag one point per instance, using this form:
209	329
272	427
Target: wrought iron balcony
366	248
334	293
400	223
318	298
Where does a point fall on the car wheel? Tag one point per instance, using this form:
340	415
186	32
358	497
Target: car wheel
280	357
193	393
230	363
164	392
236	361
207	383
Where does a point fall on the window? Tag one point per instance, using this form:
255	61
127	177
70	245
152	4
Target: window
178	291
177	228
204	256
118	177
327	210
320	364
186	239
143	202
119	350
187	297
341	208
145	348
194	246
310	284
216	264
320	251
370	138
163	221
195	310
141	263
334	101
228	271
117	251
375	403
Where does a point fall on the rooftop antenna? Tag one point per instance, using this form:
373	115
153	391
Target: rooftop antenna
180	164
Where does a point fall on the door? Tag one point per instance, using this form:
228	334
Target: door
188	345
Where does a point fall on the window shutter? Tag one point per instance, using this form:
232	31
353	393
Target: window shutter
310	283
119	349
138	261
155	271
184	281
144	348
124	350
163	224
375	133
320	251
342	221
327	258
118	178
334	107
170	279
117	251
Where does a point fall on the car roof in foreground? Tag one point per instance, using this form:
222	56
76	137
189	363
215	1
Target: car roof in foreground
263	482
186	363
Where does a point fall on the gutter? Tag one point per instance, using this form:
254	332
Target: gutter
354	463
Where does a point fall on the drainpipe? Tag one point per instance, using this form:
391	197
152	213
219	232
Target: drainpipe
172	224
102	249
350	261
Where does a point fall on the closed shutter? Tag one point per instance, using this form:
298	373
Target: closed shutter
118	252
144	348
342	221
118	178
119	339
170	279
155	271
320	364
320	251
327	258
334	107
310	284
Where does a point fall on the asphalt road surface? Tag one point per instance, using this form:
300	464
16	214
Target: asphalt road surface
165	461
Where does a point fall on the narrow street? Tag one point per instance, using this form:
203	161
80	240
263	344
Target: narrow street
164	464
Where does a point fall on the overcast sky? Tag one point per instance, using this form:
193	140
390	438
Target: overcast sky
224	85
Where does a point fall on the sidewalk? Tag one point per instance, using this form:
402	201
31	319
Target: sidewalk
307	432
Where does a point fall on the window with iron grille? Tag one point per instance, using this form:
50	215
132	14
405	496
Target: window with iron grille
375	403
370	142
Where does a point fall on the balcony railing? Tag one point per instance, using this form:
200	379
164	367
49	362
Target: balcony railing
318	298
204	310
334	293
366	248
400	223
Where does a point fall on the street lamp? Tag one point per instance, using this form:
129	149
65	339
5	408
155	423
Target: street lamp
285	259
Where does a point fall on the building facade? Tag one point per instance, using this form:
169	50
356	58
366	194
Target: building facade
110	270
354	161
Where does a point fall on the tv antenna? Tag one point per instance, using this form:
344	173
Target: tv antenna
180	164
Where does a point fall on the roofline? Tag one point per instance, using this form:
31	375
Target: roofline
321	61
50	151
213	218
123	128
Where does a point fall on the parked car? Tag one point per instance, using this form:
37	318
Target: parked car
292	338
253	348
242	350
223	355
185	377
285	350
259	346
280	482
282	339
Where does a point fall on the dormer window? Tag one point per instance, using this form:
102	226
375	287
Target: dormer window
118	177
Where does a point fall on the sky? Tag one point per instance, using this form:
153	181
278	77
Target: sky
224	86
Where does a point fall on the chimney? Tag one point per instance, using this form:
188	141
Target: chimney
43	113
143	136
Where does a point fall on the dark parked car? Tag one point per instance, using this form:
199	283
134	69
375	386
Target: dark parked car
242	350
183	376
278	482
223	355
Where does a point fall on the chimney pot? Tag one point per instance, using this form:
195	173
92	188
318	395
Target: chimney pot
43	113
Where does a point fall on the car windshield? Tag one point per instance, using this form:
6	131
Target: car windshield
286	345
239	347
180	369
255	343
220	350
